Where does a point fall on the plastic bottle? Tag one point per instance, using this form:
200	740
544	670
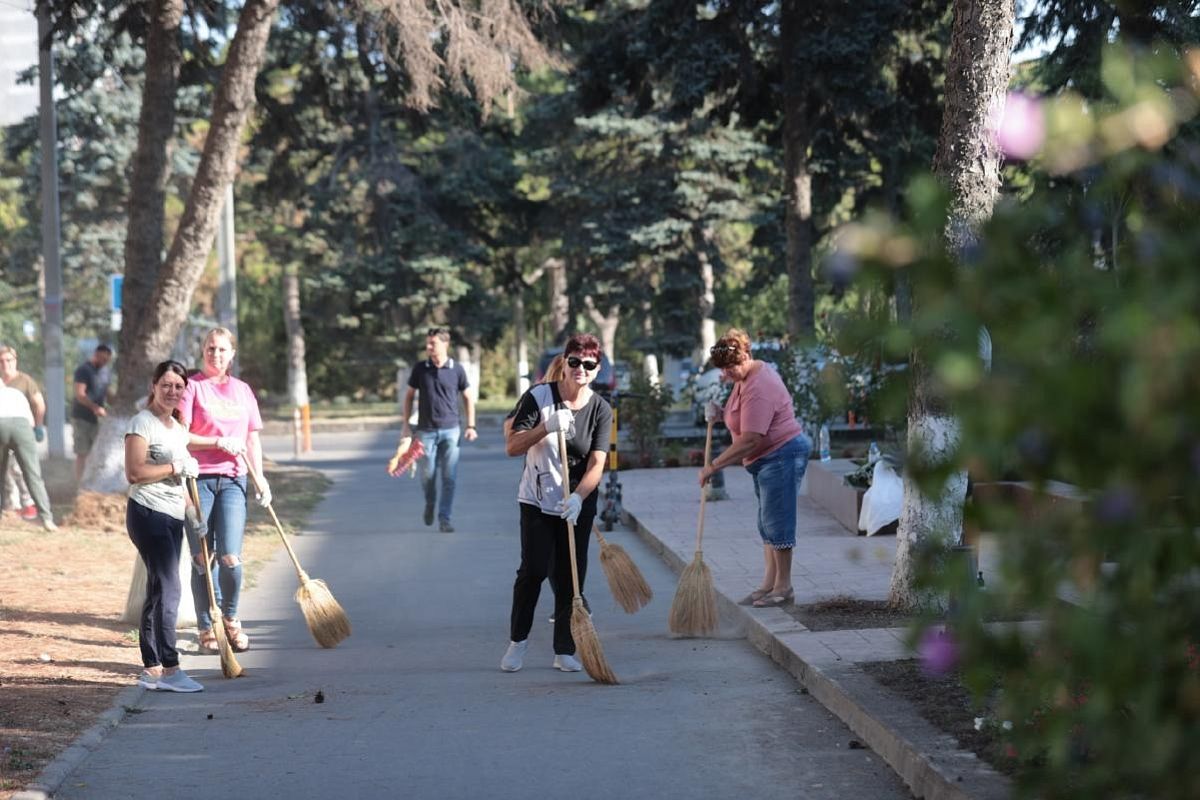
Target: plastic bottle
873	453
823	443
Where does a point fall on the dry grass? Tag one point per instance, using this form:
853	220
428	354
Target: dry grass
64	653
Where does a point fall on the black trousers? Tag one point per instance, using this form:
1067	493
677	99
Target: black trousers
158	538
545	551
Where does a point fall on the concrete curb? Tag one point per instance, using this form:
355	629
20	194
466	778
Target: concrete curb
927	760
54	774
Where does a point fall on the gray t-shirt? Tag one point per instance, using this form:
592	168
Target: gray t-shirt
164	444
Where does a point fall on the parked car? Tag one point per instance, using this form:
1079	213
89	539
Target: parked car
606	379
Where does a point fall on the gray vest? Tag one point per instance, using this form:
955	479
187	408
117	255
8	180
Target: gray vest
542	481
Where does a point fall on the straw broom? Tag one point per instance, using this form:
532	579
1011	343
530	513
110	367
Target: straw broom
694	609
587	643
625	580
326	620
230	667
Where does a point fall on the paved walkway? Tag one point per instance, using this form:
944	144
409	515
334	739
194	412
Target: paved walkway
829	561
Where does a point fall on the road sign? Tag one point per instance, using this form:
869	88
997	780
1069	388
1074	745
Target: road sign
115	283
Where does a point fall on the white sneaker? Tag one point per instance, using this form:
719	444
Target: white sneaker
514	657
178	681
148	680
565	663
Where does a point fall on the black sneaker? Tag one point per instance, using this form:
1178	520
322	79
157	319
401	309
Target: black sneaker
429	513
445	527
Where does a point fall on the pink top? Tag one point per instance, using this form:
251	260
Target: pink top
219	409
762	404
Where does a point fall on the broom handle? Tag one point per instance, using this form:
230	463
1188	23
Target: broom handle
562	456
258	486
704	489
213	611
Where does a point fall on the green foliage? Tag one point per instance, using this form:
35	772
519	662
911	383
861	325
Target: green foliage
1094	382
642	412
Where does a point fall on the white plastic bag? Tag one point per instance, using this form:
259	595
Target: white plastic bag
882	502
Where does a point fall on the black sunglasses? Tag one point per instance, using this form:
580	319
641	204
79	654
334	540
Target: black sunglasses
722	348
575	361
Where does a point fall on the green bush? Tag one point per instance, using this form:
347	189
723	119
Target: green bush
642	412
1091	293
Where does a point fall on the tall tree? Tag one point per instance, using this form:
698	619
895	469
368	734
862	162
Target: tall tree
968	163
473	49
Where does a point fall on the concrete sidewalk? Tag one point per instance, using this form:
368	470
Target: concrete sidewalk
662	505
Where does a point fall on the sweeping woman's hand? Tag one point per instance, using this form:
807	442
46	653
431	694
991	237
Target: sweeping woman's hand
263	495
186	467
232	445
713	412
571	508
561	420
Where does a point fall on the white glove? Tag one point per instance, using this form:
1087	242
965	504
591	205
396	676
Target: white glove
195	524
231	445
561	420
713	411
186	467
571	508
263	496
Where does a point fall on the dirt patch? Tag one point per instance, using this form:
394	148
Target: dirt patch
844	613
946	704
64	651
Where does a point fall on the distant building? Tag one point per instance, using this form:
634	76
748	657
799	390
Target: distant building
18	52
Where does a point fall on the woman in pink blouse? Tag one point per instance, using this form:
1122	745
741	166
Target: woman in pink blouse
217	404
771	445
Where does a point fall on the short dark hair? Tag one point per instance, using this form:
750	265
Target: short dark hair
583	344
439	332
162	369
103	348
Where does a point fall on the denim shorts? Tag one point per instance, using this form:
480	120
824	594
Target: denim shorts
777	479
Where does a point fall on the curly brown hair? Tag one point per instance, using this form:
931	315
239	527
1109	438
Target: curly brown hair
731	349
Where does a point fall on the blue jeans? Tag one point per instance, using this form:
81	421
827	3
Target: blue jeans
777	479
223	504
441	455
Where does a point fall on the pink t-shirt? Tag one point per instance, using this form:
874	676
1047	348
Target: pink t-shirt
219	409
762	404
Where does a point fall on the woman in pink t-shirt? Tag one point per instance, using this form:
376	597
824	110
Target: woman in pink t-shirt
217	404
772	447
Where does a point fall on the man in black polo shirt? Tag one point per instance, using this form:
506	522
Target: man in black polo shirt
439	380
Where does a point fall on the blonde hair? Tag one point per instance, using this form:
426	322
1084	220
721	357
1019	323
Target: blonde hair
556	370
220	331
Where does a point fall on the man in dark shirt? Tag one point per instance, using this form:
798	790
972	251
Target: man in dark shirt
438	381
91	389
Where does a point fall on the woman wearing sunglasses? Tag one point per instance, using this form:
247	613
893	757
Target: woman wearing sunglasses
546	502
771	445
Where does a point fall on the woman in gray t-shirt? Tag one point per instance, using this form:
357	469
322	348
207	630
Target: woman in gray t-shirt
156	464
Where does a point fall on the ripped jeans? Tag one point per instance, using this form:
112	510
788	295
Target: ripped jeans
223	506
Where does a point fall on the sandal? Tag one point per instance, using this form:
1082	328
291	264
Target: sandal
207	641
754	597
775	600
238	639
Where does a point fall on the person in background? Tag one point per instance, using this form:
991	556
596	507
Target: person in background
156	464
91	390
547	502
440	380
16	437
15	489
222	408
771	445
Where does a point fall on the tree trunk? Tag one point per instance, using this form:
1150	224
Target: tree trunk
522	338
708	304
293	326
150	171
159	317
968	161
560	304
606	324
797	138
